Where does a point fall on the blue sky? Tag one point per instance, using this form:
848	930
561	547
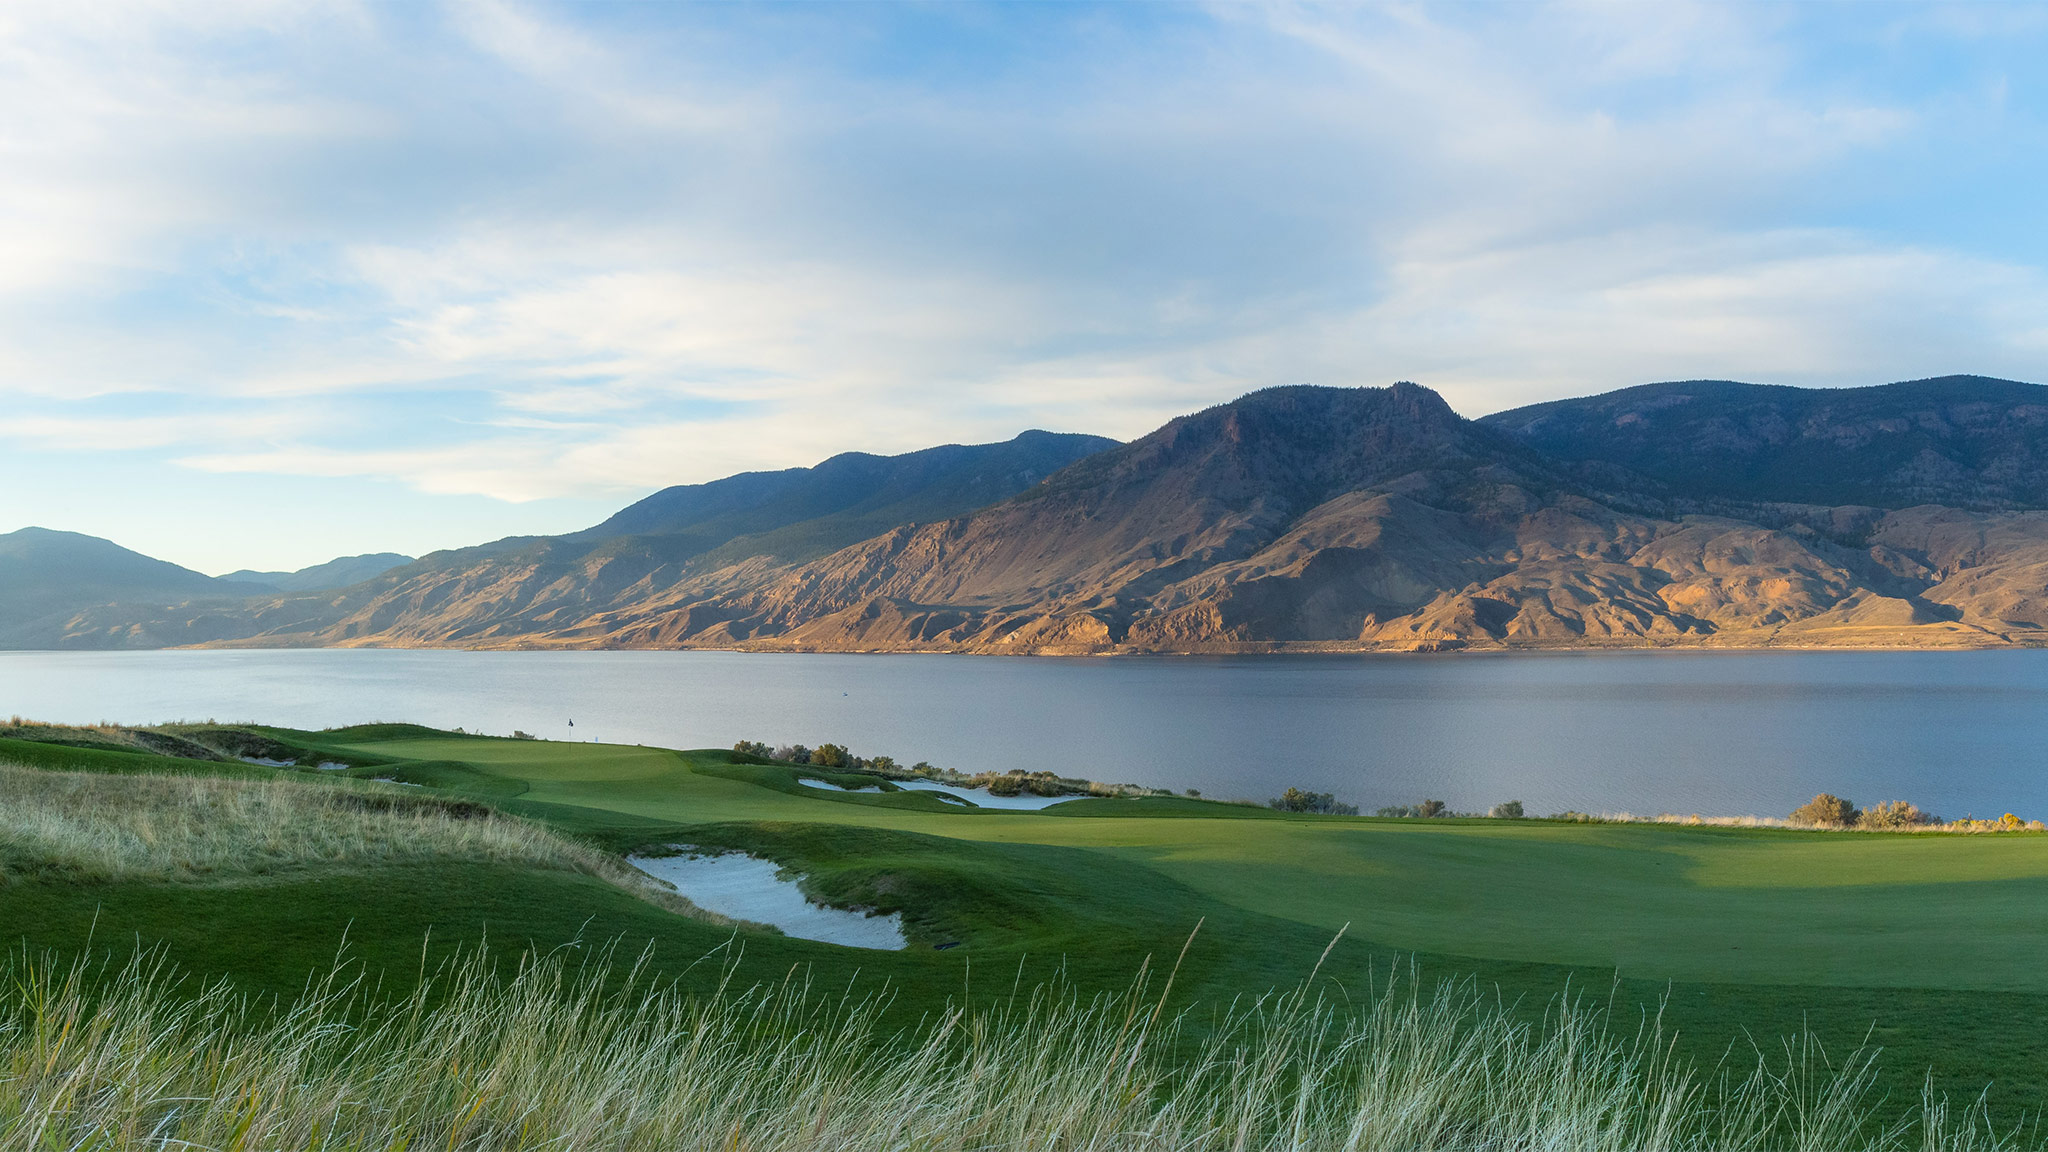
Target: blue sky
283	282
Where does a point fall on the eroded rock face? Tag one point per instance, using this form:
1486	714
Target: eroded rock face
1293	519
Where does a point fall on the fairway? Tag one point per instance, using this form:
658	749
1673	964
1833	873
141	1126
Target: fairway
1654	902
1925	944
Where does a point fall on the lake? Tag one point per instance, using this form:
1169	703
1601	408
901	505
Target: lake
1721	733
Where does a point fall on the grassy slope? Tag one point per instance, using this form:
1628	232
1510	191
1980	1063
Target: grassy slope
1929	937
1652	901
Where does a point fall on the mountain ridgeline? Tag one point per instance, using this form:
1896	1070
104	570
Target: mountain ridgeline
1962	441
1292	519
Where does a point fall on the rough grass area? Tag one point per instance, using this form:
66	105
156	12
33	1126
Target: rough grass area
561	1059
94	828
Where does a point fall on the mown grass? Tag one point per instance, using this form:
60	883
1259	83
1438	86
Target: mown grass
1651	901
552	1056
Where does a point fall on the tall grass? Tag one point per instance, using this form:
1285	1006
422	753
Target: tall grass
553	1057
194	828
91	827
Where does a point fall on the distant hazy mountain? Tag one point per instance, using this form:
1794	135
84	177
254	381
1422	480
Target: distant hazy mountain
523	585
801	513
337	573
1963	441
47	575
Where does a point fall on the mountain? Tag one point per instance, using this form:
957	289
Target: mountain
802	513
1345	519
1132	545
337	573
1291	519
46	576
555	587
1962	441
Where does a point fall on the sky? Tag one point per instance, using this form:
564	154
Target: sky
281	282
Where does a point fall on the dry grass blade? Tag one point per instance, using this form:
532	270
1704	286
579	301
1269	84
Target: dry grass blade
552	1057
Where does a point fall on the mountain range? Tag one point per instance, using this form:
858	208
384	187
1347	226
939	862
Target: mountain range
1292	519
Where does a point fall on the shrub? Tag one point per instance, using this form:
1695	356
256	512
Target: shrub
1511	810
1321	803
1428	809
519	735
793	753
1006	785
754	748
1826	810
831	756
1894	814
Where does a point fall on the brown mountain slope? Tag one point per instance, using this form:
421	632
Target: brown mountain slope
1294	519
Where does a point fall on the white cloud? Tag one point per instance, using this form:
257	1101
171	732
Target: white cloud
561	255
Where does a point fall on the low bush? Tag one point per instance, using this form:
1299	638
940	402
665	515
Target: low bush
1427	810
1826	810
1894	814
1320	803
1507	810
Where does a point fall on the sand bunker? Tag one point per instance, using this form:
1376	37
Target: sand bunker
809	783
749	888
983	798
979	797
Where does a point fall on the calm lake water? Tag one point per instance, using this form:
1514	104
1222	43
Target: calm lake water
1718	733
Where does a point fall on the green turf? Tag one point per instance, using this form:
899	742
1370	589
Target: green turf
1931	940
1661	902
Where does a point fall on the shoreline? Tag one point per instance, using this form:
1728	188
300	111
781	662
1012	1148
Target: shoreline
1942	642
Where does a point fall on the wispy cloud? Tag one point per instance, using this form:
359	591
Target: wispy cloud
534	251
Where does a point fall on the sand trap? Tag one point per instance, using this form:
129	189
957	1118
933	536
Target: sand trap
983	798
331	766
747	888
269	763
808	783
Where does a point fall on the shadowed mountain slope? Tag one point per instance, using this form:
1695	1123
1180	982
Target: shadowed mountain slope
47	575
1964	441
802	513
337	573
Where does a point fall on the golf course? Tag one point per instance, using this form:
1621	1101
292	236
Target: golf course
392	851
